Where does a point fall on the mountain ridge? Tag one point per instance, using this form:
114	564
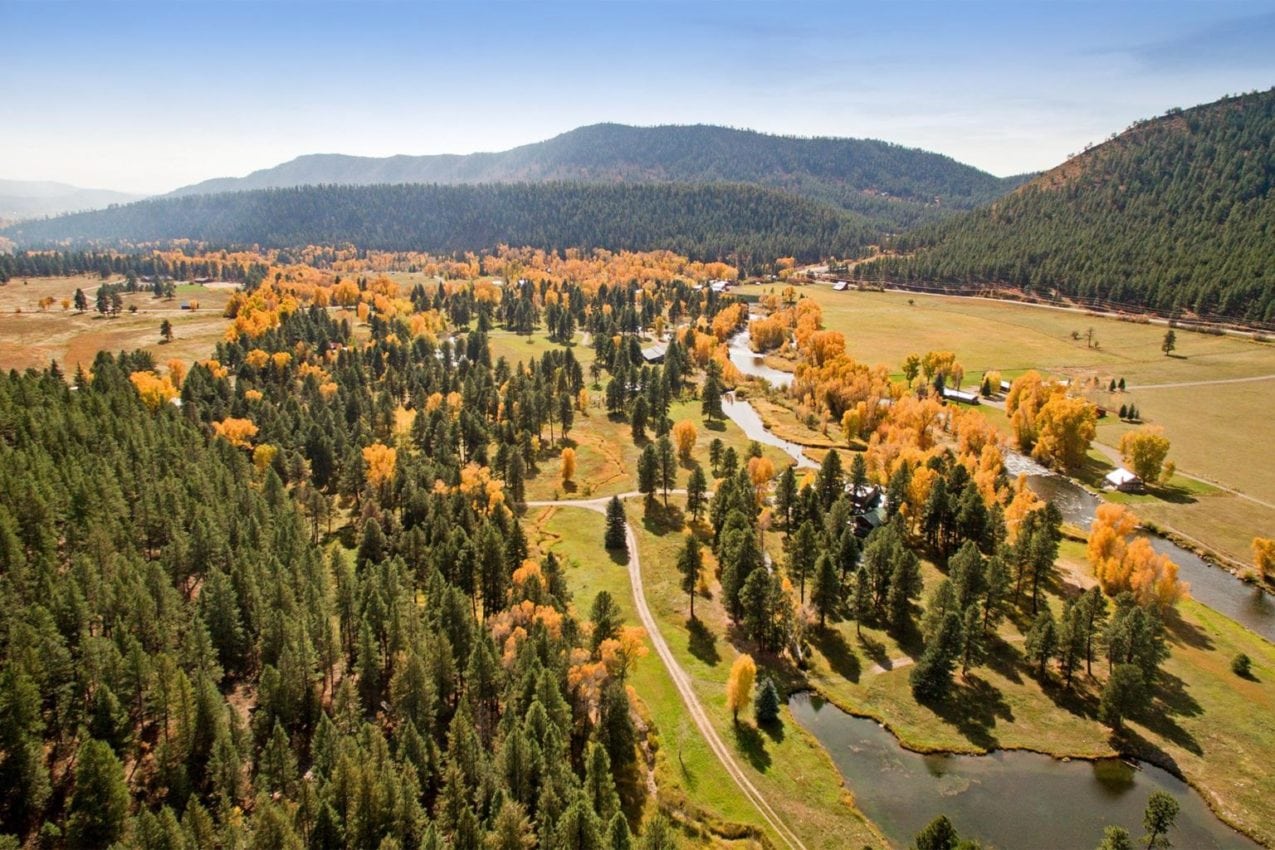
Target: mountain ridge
896	185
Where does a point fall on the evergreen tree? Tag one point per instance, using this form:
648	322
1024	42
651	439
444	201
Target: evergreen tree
826	594
616	537
690	563
696	492
766	703
98	810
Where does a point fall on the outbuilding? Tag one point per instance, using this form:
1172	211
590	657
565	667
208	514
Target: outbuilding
1123	480
963	398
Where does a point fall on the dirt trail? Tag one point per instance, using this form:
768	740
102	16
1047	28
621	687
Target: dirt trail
680	677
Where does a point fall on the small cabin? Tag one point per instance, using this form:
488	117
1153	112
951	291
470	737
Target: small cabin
1005	386
962	397
840	286
655	353
1123	480
720	286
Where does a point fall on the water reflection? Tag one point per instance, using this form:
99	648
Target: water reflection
1005	799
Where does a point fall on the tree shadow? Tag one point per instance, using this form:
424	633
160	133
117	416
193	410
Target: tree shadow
569	487
875	650
751	743
774	730
1188	634
1075	699
619	557
703	643
660	520
1172	700
841	656
1172	494
973	707
1004	659
715	425
1128	740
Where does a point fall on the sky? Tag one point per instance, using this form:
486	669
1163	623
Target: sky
149	96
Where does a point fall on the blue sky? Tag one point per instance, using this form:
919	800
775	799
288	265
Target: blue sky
147	96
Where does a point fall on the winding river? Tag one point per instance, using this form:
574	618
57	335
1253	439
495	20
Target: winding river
1006	799
1011	799
1216	588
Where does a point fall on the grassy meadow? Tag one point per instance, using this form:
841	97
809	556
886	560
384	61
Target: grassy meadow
1213	427
31	337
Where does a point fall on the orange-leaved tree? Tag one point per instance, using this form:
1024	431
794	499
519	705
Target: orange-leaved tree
568	464
684	434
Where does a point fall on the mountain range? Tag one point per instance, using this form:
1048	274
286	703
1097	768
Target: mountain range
21	199
894	185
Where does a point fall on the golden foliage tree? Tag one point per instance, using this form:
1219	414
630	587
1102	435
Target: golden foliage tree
379	460
568	464
153	390
760	471
1264	555
1122	561
239	432
684	435
739	687
1144	451
1065	426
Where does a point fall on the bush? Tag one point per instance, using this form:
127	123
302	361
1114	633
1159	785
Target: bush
1242	666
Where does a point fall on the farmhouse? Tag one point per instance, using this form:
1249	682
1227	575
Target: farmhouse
963	398
1123	480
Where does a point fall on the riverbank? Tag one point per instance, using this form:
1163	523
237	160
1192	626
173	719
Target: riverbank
1201	718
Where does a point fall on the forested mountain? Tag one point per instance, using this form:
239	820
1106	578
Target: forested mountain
1175	214
895	185
701	221
27	199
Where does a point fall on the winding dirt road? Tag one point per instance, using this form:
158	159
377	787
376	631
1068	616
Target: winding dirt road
680	677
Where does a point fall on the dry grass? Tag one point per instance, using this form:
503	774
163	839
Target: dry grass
32	338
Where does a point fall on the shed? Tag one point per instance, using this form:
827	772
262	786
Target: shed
840	286
1123	480
1005	386
655	353
963	398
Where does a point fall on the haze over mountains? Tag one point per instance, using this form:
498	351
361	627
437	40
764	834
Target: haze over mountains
897	185
1176	213
32	198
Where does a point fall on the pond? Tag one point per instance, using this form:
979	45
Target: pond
1006	799
1248	605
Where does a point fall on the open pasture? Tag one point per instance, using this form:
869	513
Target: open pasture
32	337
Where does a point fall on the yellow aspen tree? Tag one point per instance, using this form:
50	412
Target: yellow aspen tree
739	688
568	464
1264	555
684	435
1144	450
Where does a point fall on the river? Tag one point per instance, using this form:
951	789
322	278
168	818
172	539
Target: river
1248	605
1006	799
1212	586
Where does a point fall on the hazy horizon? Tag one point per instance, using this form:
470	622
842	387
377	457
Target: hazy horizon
145	97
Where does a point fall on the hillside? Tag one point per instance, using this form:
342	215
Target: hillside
894	185
1175	214
701	221
29	199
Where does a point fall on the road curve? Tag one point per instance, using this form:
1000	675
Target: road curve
680	677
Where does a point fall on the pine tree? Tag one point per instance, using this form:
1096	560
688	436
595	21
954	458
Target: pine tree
690	563
802	548
696	492
616	537
648	472
766	704
826	594
1042	641
98	811
931	677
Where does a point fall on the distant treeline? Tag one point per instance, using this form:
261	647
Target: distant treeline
113	263
1176	214
747	224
